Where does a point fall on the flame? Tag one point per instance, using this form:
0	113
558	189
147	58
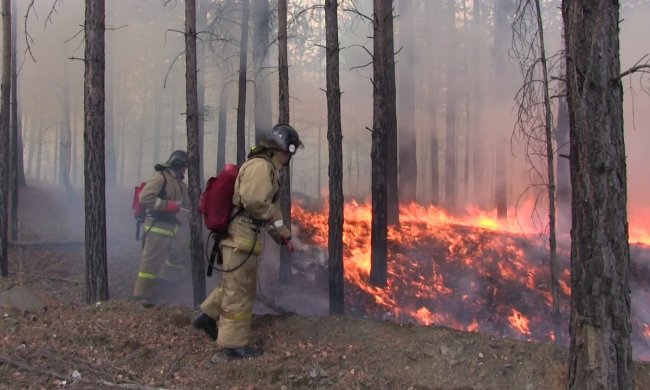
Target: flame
519	321
473	272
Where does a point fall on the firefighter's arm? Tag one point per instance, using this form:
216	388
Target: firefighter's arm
150	199
256	190
277	230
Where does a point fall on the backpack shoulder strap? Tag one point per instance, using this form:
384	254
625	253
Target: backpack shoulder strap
163	190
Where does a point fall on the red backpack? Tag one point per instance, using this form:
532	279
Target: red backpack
216	205
139	211
216	200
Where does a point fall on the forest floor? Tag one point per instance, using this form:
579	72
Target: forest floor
50	339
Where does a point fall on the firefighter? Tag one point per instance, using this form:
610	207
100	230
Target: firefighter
227	312
162	259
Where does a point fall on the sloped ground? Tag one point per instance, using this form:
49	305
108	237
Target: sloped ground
62	343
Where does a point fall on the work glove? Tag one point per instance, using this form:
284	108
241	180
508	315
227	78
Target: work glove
173	206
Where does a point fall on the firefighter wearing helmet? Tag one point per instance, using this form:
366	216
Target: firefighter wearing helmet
227	312
162	258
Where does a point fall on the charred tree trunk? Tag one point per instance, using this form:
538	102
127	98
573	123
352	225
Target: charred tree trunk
600	351
335	169
5	94
284	274
241	104
550	167
500	182
406	114
392	185
193	154
94	151
261	16
380	129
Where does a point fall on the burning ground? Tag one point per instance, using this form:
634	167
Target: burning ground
479	288
472	273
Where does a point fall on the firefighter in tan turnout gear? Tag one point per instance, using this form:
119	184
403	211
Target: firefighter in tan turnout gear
227	312
162	259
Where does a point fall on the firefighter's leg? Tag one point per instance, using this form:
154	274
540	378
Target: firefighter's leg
175	264
212	304
153	255
237	298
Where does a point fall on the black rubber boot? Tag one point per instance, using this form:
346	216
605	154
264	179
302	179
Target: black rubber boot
207	324
243	352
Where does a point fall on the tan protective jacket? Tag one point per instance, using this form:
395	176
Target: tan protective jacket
256	202
157	220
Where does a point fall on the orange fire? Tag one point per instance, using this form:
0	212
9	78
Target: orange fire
472	272
519	321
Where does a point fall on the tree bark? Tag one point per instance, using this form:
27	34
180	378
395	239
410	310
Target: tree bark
194	154
600	349
392	184
335	168
94	152
5	95
550	167
380	129
284	274
241	104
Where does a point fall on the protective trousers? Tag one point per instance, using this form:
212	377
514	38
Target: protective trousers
161	259
232	303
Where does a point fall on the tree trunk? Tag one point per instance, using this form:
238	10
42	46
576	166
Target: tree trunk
406	113
201	25
194	154
392	185
550	167
241	104
5	94
94	151
261	32
284	274
563	168
381	123
600	351
335	169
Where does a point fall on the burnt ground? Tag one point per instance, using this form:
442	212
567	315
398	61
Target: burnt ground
50	339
